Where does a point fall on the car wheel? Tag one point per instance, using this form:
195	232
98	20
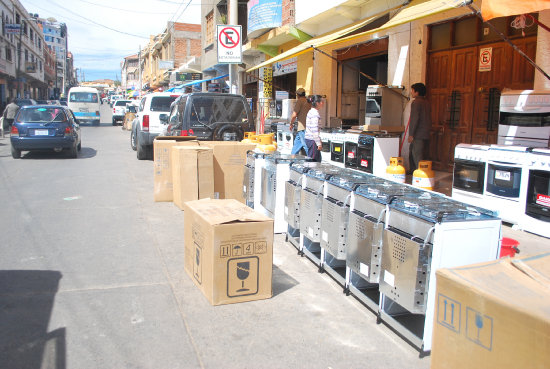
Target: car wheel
15	153
133	140
141	151
228	132
73	152
79	147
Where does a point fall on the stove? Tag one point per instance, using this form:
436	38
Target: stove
311	204
275	173
536	214
293	189
470	166
374	151
424	234
251	179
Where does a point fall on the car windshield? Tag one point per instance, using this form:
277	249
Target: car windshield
41	115
85	97
218	109
162	103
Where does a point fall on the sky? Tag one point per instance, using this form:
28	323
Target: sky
102	32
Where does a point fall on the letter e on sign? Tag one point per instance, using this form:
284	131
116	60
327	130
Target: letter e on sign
229	44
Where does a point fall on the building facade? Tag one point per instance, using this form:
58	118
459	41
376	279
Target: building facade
129	76
166	52
56	37
355	44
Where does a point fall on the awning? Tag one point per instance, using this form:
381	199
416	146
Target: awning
502	8
319	40
417	9
196	82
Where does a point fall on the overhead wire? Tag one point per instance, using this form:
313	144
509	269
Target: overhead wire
124	10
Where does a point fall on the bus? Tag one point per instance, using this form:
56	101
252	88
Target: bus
85	103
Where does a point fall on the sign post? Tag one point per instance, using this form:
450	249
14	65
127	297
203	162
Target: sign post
229	44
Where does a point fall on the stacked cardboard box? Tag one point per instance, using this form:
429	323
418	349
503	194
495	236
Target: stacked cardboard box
192	174
493	315
228	159
228	250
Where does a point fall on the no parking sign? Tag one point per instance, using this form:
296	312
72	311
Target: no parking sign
485	58
229	44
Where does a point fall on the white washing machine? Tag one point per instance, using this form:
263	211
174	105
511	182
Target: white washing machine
536	213
506	181
470	166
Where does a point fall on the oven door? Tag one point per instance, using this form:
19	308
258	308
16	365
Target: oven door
365	157
337	151
538	195
351	154
503	179
469	176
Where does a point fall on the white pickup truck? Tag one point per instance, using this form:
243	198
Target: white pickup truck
147	124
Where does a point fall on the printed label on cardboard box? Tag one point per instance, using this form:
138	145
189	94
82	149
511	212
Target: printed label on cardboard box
197	265
479	328
448	313
242	276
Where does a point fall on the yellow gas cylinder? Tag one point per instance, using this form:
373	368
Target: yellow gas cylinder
265	144
249	137
396	171
424	176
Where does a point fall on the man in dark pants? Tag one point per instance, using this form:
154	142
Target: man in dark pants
9	114
419	126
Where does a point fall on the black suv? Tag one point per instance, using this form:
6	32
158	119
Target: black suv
209	116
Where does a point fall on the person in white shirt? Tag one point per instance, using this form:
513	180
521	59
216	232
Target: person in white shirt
313	122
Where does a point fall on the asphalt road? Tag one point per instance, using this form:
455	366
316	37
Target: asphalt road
91	276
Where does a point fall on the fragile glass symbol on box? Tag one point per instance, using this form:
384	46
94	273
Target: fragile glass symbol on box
242	276
197	265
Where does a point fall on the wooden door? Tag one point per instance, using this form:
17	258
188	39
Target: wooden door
452	95
438	88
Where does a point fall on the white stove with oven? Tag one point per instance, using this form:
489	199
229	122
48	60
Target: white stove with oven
470	166
536	213
506	184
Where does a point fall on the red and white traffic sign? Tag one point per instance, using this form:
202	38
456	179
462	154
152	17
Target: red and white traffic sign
229	44
485	58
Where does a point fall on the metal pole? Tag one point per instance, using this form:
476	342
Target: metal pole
234	20
17	74
139	69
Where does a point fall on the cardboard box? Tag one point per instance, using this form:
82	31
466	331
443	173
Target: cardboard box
162	154
228	250
493	315
229	162
192	173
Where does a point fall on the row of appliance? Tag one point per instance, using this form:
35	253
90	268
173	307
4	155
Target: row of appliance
381	240
512	180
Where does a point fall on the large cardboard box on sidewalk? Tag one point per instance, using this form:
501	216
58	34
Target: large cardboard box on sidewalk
162	157
192	173
493	315
228	250
229	162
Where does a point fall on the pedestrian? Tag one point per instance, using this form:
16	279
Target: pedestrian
9	114
419	126
299	115
313	121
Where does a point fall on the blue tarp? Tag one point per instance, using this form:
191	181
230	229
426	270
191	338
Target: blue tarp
196	82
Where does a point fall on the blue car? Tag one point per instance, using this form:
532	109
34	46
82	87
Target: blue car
45	127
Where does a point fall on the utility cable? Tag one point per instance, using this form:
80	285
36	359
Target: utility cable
124	10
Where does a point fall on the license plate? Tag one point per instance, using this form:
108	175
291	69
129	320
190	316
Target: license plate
503	175
84	110
40	132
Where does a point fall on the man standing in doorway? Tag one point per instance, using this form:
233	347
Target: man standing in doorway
300	113
419	126
9	114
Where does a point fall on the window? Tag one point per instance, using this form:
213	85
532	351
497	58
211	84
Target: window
31	35
210	28
40	64
89	97
8	53
26	55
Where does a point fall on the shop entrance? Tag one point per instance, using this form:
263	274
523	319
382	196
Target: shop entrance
463	91
369	58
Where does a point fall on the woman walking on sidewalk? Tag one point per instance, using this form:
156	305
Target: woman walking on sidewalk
313	121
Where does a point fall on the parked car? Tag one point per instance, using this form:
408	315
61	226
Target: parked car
210	116
25	102
119	109
40	127
147	124
42	102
